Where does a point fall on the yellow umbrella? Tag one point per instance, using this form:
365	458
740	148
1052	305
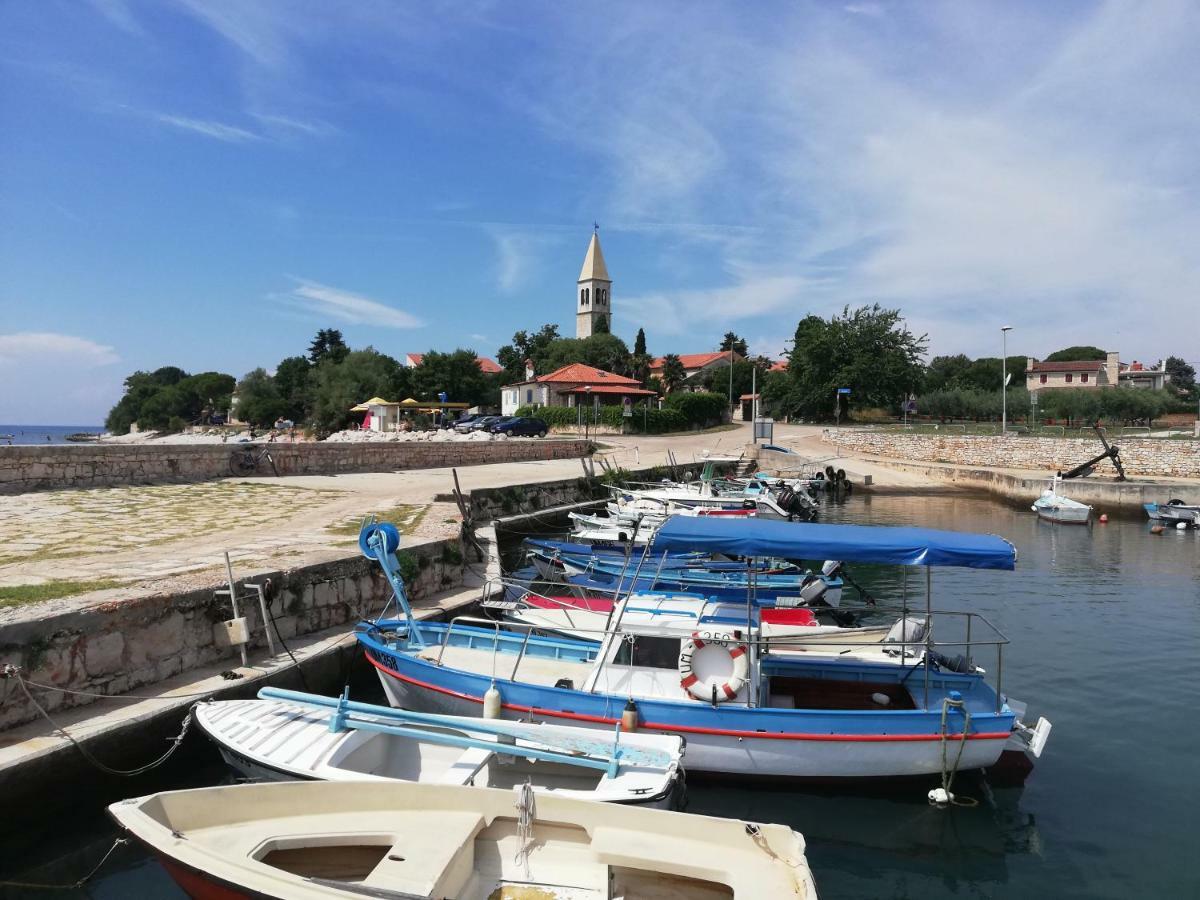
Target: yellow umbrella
362	407
374	401
409	402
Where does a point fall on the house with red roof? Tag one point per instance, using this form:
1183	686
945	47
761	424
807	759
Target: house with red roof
572	385
486	364
697	363
1094	373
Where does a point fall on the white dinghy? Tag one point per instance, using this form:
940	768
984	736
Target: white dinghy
1054	507
287	735
310	840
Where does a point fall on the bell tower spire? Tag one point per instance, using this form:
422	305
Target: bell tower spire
593	310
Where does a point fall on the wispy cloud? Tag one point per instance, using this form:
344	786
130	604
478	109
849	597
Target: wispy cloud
678	312
519	254
345	306
289	124
51	347
216	130
119	14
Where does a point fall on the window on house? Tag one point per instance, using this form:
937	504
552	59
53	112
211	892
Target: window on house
1043	378
1083	377
1070	378
529	396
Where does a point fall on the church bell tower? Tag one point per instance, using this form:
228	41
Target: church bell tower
592	293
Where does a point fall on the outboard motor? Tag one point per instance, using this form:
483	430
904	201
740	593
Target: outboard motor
907	630
813	591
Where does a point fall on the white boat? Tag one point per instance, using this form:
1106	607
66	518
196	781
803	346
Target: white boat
1173	513
310	840
287	735
1054	507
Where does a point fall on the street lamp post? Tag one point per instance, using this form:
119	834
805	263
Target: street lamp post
1004	379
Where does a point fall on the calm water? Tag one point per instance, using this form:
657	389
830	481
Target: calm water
42	434
1105	630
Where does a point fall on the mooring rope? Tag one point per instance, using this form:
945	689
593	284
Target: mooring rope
949	772
37	886
87	754
526	815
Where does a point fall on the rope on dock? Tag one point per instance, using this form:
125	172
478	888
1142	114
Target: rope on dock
87	754
37	886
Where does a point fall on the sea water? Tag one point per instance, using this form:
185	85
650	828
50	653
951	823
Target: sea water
43	434
1104	623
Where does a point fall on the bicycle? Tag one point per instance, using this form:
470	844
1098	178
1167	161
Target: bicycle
246	461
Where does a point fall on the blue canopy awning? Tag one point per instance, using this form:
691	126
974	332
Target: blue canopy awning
848	543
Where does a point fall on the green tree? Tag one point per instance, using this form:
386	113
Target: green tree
869	350
673	373
640	360
716	380
639	343
1077	354
212	393
604	351
602	326
258	399
360	375
526	346
328	344
732	342
293	380
1183	376
458	374
946	371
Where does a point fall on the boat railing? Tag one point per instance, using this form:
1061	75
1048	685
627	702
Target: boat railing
494	625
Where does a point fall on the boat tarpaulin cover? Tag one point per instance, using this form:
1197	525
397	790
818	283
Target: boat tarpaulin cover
848	543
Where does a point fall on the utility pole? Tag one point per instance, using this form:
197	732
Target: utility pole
1004	379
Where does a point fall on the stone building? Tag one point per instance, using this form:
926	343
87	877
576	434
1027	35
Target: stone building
572	385
593	299
1094	373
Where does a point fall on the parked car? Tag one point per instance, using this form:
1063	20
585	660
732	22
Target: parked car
464	420
521	426
480	424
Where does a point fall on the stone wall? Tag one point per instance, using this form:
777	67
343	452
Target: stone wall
1141	457
99	465
114	646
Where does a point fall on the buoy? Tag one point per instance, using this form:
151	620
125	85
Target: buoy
941	797
882	699
1181	526
491	703
629	716
1103	518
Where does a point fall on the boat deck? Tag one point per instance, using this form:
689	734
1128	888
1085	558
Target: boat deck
532	669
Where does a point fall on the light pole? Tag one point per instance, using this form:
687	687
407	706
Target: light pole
731	382
1004	378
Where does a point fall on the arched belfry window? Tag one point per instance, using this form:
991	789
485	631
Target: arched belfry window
583	296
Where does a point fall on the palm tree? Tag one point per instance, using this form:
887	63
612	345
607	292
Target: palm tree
673	373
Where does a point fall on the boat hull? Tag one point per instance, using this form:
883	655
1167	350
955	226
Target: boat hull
1065	515
724	739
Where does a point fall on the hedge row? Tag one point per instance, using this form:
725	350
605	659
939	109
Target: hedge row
651	421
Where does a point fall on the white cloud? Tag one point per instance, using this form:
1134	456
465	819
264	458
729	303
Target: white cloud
49	347
518	255
322	299
216	130
678	312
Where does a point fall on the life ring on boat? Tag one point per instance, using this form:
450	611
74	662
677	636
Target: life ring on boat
703	645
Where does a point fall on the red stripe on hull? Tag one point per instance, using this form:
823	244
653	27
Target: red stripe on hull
692	729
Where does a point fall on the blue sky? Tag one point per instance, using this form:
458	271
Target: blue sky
206	183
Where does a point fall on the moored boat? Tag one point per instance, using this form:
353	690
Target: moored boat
310	840
1054	507
286	735
1173	512
744	708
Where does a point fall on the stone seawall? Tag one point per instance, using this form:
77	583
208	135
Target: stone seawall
1141	457
116	645
40	468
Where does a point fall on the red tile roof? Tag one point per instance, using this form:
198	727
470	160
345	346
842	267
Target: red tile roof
486	364
697	360
578	373
610	389
780	366
1093	365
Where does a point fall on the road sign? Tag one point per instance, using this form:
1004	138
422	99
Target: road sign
843	390
910	406
627	412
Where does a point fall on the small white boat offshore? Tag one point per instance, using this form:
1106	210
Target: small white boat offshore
1173	513
310	840
1054	507
288	735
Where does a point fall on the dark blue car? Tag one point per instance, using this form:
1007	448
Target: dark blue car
521	426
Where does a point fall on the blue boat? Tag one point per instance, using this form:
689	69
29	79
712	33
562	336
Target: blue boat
744	707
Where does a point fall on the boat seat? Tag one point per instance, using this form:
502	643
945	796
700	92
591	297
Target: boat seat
433	855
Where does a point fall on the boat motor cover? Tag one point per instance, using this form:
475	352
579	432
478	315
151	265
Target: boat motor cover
856	543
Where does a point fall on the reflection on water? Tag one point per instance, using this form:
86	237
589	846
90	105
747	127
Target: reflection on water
1105	630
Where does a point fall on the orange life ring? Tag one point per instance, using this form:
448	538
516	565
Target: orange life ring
708	642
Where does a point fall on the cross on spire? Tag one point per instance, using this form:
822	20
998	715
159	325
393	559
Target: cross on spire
595	227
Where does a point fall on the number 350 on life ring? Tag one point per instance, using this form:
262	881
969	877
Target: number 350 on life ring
712	660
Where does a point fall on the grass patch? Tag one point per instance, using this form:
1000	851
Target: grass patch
405	516
19	594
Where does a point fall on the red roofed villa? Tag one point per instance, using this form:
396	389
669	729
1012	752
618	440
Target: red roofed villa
569	386
695	363
486	365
